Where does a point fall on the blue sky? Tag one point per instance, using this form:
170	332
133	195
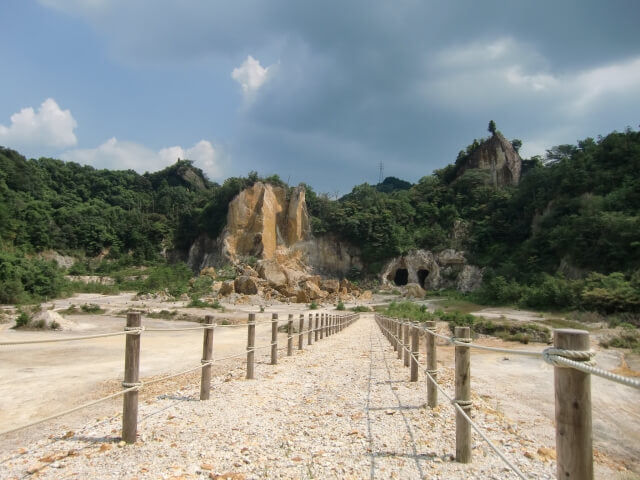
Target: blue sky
318	92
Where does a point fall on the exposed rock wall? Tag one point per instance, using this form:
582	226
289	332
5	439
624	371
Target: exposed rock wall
498	156
261	219
330	256
447	269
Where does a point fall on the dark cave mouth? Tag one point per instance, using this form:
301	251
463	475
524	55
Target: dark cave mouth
422	277
401	277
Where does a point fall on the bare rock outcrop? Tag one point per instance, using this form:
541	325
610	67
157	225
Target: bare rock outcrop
447	269
261	219
498	156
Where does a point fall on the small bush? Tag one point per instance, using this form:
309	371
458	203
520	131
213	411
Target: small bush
340	306
360	308
313	305
22	320
54	325
91	308
261	308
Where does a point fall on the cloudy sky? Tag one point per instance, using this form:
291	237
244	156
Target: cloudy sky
317	91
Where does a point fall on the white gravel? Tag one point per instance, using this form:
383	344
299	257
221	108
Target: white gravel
342	408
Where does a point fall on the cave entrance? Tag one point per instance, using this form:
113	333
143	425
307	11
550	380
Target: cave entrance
401	277
422	276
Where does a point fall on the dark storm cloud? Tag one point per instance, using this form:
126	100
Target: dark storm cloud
408	83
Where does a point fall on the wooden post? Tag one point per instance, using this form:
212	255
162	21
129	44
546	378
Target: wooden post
251	343
463	395
399	336
573	411
207	355
432	367
274	339
414	352
321	326
316	332
290	335
310	328
131	378
300	332
405	341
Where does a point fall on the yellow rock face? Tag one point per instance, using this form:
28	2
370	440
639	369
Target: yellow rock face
261	219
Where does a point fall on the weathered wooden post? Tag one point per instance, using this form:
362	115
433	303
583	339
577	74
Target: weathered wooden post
251	343
432	366
290	335
573	410
321	326
310	328
131	377
399	331
414	352
300	332
207	355
463	394
274	339
316	332
405	336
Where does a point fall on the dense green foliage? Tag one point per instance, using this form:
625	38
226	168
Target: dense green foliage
568	236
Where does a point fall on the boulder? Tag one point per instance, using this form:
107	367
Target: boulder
246	285
365	296
415	291
227	288
312	290
302	297
272	272
330	285
209	272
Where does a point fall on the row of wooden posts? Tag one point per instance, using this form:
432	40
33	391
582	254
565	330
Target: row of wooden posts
326	324
572	390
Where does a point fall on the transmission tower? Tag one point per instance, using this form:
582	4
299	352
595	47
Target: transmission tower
381	176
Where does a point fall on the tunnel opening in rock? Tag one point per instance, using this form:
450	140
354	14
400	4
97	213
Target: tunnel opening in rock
422	276
401	277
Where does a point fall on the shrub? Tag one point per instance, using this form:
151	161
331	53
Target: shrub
91	308
360	308
54	325
22	320
313	305
340	306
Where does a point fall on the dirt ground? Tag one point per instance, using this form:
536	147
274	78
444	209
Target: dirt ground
42	379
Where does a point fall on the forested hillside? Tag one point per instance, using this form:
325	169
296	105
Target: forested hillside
568	235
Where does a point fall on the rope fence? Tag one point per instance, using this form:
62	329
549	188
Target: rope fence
326	324
573	364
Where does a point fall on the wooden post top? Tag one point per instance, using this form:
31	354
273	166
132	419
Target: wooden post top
252	318
571	339
462	334
430	324
274	316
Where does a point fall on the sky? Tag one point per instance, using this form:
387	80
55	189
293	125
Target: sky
316	92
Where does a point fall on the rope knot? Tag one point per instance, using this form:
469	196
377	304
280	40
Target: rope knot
550	355
134	330
136	385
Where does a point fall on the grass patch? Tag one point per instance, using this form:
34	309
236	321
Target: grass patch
628	338
199	303
564	323
313	305
360	308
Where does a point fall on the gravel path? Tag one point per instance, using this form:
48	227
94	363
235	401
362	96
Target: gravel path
342	408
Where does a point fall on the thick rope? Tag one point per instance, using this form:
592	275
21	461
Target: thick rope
71	410
70	339
459	404
584	366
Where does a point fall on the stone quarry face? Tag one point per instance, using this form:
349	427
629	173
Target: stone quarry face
261	220
497	156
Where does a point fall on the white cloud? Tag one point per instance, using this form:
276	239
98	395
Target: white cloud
48	127
251	75
122	155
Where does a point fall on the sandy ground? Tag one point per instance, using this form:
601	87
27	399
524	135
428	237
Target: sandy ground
39	380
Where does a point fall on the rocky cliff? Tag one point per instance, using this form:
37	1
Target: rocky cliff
447	269
498	156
